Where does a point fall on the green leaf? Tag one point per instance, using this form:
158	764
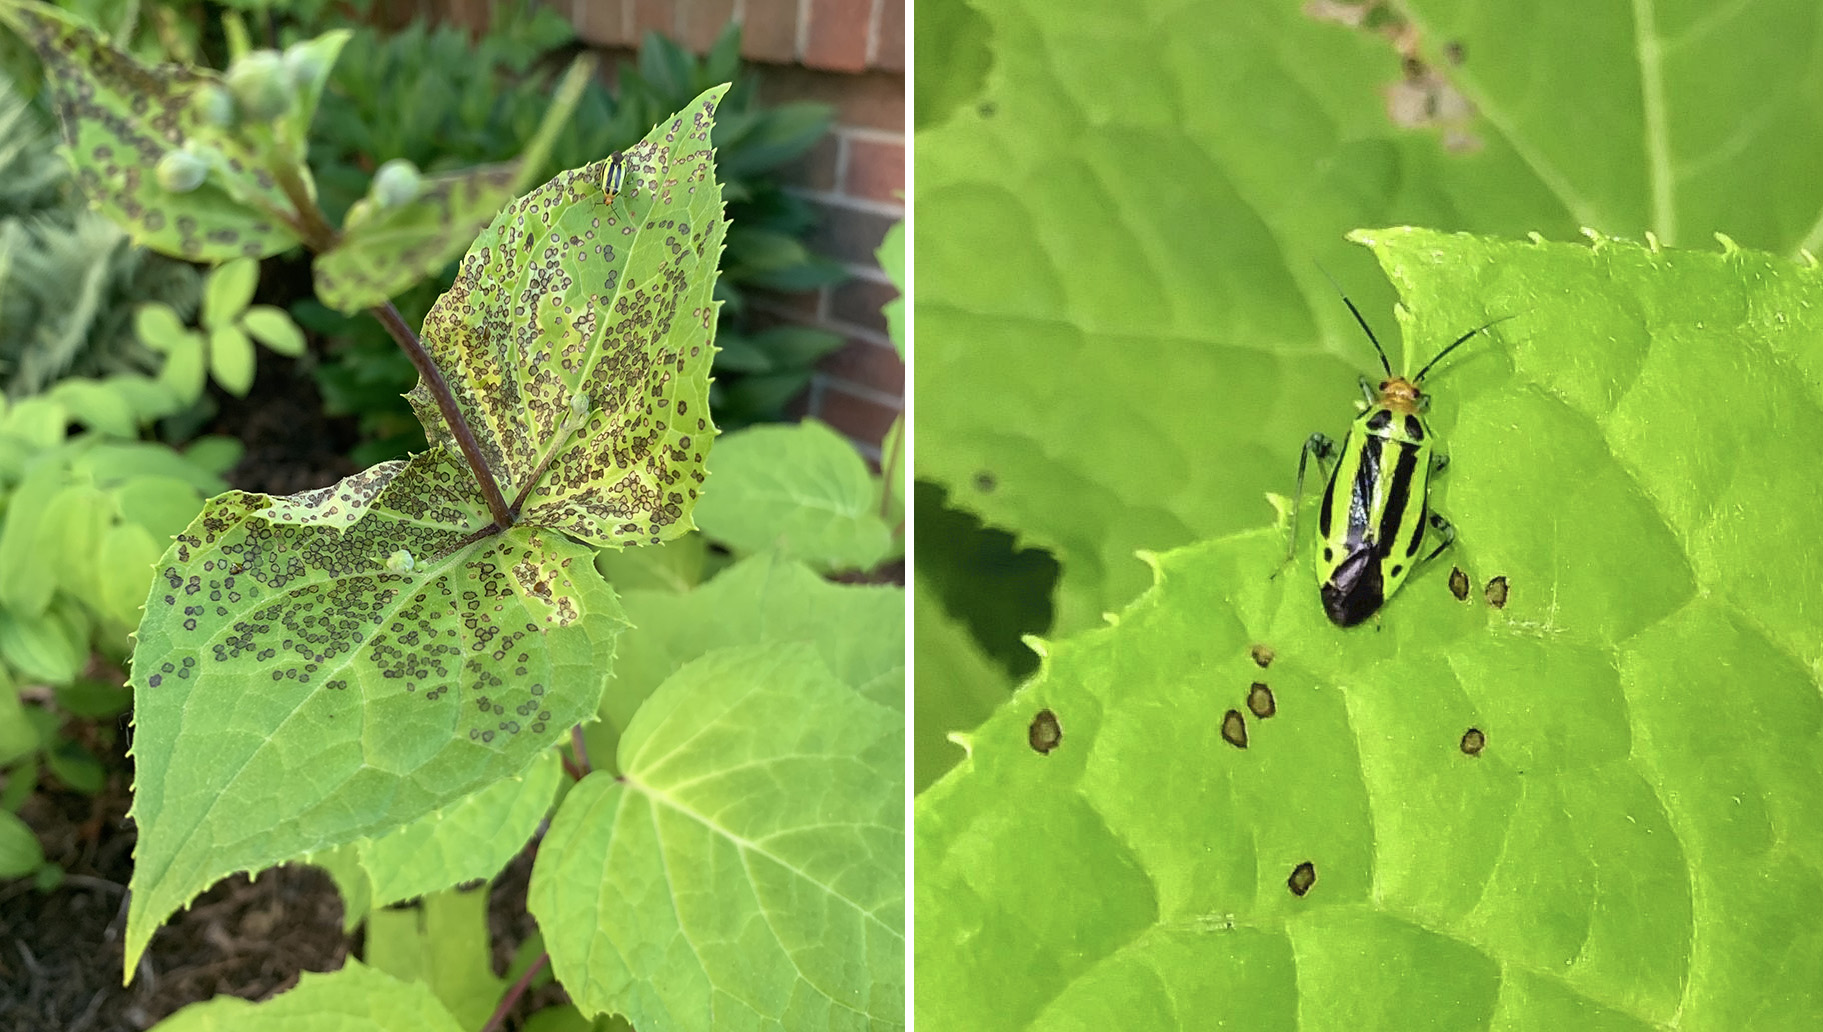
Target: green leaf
97	406
625	321
20	852
309	63
395	246
442	944
163	505
291	687
93	699
675	566
748	870
958	686
343	865
272	326
859	630
18	735
69	536
144	397
113	463
120	118
40	421
216	454
231	359
28	574
472	838
1620	850
128	552
186	367
158	326
356	998
892	260
1150	397
228	291
801	489
76	766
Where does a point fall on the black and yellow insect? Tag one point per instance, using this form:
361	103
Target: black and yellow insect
614	176
1377	505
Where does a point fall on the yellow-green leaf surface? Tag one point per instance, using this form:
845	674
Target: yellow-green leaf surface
294	693
357	998
857	629
601	388
443	943
471	839
803	490
120	117
746	871
1123	332
394	246
1596	807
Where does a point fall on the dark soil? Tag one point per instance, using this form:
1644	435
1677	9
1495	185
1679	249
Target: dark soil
291	445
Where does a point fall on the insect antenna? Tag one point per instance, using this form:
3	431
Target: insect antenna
1458	342
1369	330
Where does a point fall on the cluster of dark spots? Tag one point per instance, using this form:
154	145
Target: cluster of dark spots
1044	733
1234	729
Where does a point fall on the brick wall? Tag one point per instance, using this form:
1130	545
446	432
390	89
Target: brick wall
849	54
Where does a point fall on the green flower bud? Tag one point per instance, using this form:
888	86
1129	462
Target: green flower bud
180	171
579	404
302	65
400	562
397	183
215	106
260	85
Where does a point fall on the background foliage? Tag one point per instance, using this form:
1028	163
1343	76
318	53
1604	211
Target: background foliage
1153	340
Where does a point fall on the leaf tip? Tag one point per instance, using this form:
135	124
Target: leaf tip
1039	647
1729	247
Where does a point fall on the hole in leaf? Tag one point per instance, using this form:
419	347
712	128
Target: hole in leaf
1234	729
1302	878
1045	733
1473	741
1459	584
1262	655
1497	592
1260	700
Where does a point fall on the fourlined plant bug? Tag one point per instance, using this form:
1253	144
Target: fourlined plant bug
1377	505
614	176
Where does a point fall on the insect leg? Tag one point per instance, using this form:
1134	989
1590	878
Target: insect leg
1369	393
1446	530
1323	448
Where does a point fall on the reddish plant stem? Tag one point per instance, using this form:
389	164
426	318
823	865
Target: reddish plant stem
446	404
319	236
513	993
581	748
